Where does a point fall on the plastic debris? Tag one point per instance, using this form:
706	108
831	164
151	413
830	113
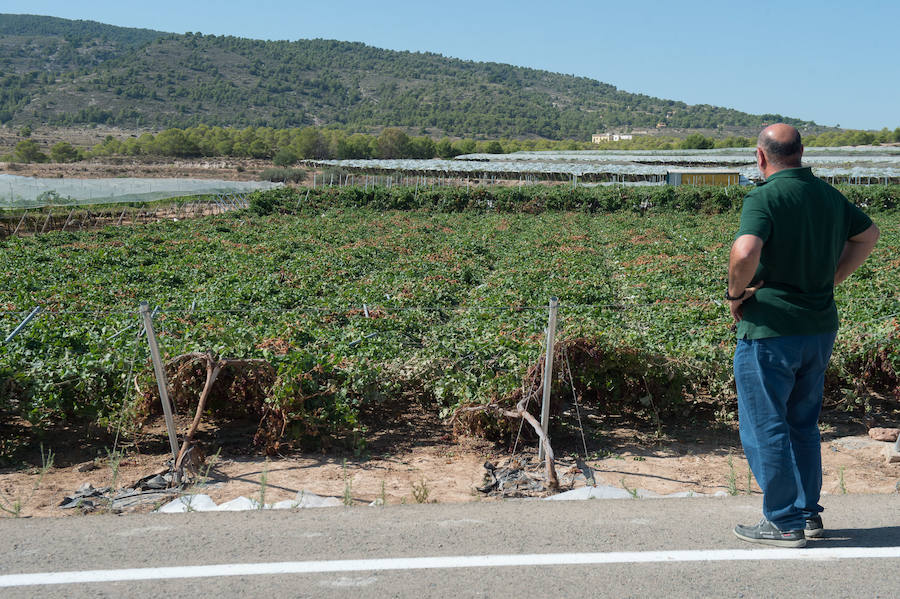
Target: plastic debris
518	477
203	503
189	503
239	504
598	492
86	497
306	499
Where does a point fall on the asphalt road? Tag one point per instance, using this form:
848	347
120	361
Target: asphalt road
672	548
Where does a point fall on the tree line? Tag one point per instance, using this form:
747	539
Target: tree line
283	146
286	147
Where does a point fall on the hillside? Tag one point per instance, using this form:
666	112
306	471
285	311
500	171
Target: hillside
61	72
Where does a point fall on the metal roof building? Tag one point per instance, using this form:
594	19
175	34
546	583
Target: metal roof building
703	176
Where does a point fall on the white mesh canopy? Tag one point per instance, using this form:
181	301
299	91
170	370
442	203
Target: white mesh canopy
29	192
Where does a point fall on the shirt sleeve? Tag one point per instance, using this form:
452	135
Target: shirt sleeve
755	219
859	220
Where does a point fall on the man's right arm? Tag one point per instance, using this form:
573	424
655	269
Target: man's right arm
856	250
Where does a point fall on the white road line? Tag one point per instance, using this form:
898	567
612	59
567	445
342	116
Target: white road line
457	561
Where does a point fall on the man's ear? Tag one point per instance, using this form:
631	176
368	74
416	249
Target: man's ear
761	161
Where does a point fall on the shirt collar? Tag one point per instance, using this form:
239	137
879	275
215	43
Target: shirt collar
800	172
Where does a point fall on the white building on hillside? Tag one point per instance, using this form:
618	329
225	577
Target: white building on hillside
598	137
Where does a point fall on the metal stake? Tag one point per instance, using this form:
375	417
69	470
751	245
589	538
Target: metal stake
548	371
23	324
161	382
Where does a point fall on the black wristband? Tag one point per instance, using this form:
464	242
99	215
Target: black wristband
731	298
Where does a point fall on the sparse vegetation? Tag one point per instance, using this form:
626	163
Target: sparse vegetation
633	492
732	477
13	506
283	175
263	484
420	491
348	491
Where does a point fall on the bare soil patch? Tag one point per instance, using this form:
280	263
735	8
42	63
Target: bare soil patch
414	450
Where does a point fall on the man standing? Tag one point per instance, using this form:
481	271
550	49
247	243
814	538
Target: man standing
798	238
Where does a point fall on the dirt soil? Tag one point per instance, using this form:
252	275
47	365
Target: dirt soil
420	452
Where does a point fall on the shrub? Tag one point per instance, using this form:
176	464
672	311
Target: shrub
284	157
63	152
28	151
283	175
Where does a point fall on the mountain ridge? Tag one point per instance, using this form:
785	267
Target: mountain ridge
62	72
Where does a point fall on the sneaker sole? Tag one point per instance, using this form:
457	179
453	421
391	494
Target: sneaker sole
772	542
817	533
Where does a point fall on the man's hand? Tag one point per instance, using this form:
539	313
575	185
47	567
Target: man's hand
856	250
736	306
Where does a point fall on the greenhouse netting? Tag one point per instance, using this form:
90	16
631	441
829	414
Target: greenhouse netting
29	192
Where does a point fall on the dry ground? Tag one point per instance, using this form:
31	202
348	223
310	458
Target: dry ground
420	452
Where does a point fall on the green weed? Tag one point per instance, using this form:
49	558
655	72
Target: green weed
263	484
732	477
348	493
420	491
632	492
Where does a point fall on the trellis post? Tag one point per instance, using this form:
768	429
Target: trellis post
161	382
22	220
548	372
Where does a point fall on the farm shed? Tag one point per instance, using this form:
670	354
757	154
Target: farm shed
703	176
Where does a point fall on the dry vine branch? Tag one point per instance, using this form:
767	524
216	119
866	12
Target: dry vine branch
521	412
214	366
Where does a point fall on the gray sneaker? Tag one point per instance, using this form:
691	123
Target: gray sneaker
768	534
814	528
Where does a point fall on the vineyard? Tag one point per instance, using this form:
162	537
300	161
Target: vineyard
345	303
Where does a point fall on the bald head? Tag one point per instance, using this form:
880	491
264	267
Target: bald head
781	145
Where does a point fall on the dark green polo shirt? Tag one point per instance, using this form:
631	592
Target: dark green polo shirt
804	223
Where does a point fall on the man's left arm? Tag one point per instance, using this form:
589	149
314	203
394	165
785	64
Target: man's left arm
742	265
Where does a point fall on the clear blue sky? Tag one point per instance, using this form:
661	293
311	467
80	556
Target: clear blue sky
837	63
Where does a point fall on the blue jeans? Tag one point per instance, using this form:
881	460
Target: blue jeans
780	381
